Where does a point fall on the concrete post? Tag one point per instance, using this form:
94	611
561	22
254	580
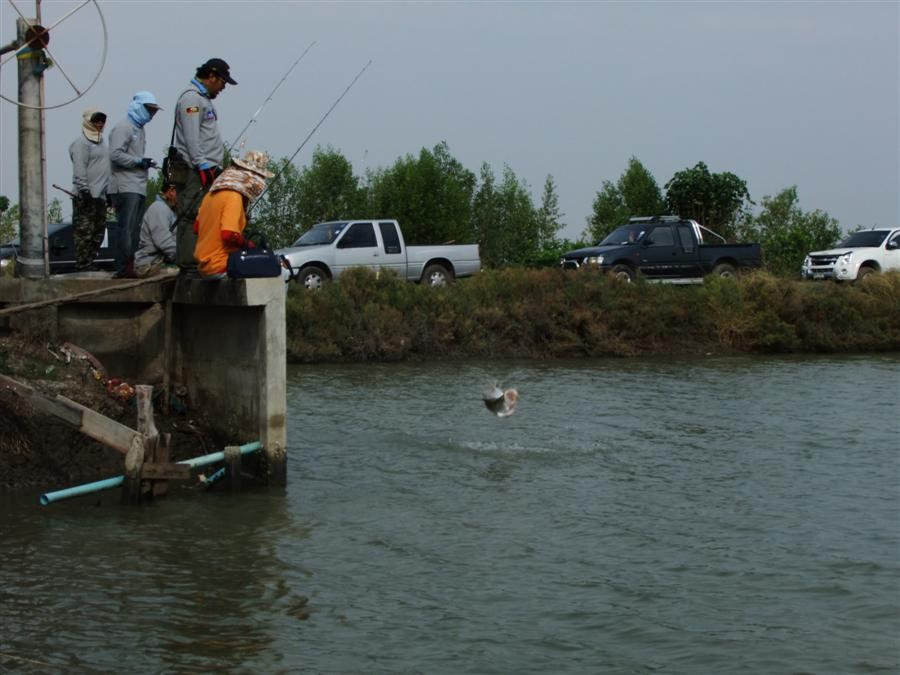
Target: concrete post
233	467
143	446
273	389
32	200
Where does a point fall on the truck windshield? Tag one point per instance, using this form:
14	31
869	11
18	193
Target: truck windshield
323	233
627	234
867	239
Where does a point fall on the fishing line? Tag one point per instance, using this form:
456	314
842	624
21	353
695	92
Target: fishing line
269	98
308	136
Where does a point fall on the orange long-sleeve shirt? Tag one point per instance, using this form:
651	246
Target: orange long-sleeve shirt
220	225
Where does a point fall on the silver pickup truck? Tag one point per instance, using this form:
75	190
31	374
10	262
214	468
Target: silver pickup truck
324	251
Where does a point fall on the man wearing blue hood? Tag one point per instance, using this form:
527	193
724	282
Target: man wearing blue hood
128	183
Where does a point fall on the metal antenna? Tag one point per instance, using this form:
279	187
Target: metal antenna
309	135
269	98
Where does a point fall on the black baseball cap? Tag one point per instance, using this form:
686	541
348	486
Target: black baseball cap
220	68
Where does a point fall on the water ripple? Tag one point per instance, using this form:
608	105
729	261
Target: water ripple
714	515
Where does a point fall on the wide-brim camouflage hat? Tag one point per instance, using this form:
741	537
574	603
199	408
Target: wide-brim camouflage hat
255	161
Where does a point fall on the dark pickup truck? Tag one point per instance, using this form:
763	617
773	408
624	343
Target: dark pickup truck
665	248
61	248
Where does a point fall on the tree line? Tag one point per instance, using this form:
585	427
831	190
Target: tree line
435	198
438	200
721	202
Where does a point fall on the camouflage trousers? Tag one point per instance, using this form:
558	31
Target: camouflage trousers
190	194
88	228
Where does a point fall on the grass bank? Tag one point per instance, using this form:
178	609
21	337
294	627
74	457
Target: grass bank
547	313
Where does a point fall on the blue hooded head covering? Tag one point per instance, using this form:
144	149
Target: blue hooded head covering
137	111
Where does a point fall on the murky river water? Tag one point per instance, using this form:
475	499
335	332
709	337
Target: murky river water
714	516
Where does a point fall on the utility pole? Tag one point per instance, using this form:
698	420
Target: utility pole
32	189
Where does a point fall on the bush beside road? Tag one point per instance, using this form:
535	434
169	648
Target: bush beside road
548	313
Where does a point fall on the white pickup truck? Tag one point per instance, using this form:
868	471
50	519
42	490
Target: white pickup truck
326	250
862	253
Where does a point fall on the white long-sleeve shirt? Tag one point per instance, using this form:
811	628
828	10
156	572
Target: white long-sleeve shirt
157	242
90	166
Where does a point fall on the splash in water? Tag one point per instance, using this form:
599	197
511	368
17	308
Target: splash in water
501	402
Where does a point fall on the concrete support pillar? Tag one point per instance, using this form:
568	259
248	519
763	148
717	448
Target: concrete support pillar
230	353
32	200
273	391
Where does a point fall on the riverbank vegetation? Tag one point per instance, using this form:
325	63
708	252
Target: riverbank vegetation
548	313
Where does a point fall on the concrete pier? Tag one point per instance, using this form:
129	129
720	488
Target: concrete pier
230	352
222	341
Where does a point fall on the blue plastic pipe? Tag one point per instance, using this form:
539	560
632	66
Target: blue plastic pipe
87	488
108	483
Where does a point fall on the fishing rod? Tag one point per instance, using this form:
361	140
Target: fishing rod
269	98
309	135
68	192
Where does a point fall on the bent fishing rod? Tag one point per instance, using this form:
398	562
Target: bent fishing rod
308	136
269	98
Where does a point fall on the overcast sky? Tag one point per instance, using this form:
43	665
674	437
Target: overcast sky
779	93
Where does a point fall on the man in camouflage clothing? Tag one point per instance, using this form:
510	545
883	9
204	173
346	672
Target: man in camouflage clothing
90	178
200	152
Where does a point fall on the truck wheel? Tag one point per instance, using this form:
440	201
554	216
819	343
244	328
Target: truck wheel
312	278
724	270
437	275
865	272
622	273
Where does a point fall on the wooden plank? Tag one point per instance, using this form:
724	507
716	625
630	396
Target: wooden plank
233	466
146	426
89	422
42	402
131	486
101	428
163	451
165	471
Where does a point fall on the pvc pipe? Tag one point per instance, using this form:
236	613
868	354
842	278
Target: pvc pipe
220	456
216	476
108	483
87	488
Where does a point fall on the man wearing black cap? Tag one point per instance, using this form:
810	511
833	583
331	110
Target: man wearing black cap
200	152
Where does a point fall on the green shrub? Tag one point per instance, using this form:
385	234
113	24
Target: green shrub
545	313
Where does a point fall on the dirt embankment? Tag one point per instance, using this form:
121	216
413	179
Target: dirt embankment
37	450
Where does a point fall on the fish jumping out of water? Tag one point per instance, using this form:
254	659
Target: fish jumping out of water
501	402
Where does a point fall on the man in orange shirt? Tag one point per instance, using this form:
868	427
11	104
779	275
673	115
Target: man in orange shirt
223	213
